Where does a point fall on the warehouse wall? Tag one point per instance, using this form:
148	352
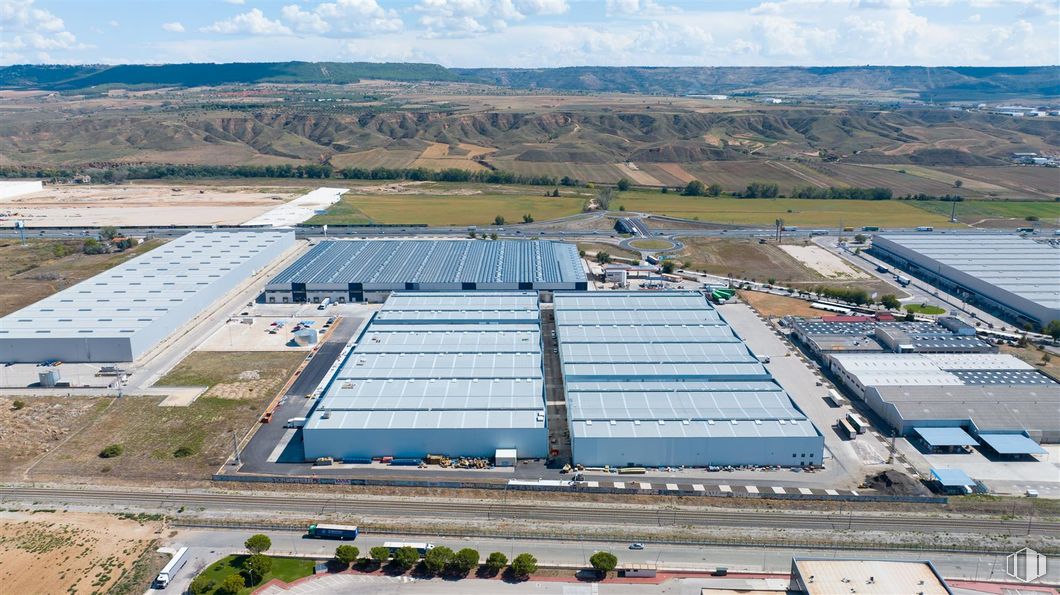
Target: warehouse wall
532	443
102	349
675	452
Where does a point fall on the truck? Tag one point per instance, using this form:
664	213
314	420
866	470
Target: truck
857	423
170	570
420	547
871	228
789	228
340	532
925	228
818	232
1024	230
882	269
833	399
902	280
295	422
324	303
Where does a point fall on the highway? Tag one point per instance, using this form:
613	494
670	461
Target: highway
600	514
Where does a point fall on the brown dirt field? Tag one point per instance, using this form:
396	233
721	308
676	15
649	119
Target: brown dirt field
638	176
43	267
745	259
675	170
39	426
1033	357
69	552
768	304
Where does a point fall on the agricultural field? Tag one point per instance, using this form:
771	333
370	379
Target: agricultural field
43	267
764	212
1003	213
167	443
1044	181
443	210
69	552
765	263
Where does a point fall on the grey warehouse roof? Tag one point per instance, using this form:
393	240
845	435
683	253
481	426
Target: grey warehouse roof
146	298
664	364
417	373
435	261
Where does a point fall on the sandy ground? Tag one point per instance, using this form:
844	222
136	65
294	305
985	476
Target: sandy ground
39	426
136	204
236	336
68	552
823	261
768	304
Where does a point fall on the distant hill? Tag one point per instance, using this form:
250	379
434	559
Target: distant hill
938	84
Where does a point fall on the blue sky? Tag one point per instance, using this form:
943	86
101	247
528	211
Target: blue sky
535	33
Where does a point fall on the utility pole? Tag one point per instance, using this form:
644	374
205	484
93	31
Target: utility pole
953	212
235	449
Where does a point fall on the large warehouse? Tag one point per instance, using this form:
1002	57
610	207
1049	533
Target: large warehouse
660	379
458	374
979	393
1007	274
120	314
369	270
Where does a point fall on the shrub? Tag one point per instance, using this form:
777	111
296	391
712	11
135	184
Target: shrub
496	561
111	451
346	554
623	184
200	585
257	544
182	452
18	404
464	561
524	565
438	558
231	585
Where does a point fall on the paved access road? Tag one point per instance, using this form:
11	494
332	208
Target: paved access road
599	514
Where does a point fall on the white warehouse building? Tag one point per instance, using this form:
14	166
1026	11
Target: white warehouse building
124	312
456	374
660	379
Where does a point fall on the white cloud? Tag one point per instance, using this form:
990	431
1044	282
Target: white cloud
115	24
975	18
25	27
253	22
633	7
173	27
342	18
462	18
236	2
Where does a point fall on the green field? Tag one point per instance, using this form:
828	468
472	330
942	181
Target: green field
651	244
804	212
285	569
924	309
973	211
441	210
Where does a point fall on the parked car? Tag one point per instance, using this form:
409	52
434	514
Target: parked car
636	546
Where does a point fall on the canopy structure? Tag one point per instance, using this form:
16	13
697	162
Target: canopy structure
952	478
1011	444
941	437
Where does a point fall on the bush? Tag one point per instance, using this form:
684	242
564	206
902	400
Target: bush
257	566
603	562
406	557
257	544
524	565
890	301
183	452
18	404
464	561
438	558
603	257
623	184
232	585
200	585
714	190
347	554
93	246
379	554
496	561
111	451
498	220
667	266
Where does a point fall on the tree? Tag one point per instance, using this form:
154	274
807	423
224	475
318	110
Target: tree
603	257
604	196
493	236
694	188
861	238
524	565
464	561
200	585
258	543
528	218
1052	329
603	562
498	220
257	566
496	561
555	193
406	557
111	451
472	235
438	558
379	554
347	554
667	266
714	190
890	301
232	585
623	185
93	246
108	233
957	183
621	207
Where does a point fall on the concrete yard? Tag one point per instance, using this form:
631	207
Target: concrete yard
235	335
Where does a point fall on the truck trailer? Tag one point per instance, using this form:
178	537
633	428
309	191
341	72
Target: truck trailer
170	570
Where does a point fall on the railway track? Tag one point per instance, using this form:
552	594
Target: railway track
597	514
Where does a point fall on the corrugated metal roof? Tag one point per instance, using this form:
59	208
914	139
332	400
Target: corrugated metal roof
664	364
435	261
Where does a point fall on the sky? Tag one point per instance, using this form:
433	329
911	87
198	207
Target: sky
535	33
